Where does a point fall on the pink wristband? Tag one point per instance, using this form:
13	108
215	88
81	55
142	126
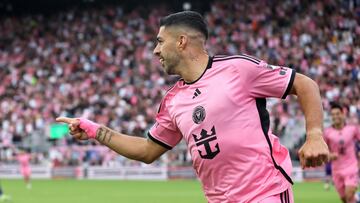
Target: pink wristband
89	127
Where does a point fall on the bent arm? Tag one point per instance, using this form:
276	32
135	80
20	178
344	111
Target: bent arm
314	151
137	148
309	99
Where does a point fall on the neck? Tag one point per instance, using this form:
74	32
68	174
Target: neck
339	125
194	67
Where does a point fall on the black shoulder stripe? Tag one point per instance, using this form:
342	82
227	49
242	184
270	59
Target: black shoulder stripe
236	57
252	57
239	55
220	56
159	142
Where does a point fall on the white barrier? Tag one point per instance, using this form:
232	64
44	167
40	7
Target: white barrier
127	173
92	172
13	172
131	173
297	174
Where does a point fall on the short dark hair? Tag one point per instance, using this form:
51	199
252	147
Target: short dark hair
335	105
190	19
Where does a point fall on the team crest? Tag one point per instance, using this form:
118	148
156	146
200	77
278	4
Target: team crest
198	115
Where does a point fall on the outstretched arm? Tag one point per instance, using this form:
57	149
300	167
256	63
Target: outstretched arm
136	148
314	152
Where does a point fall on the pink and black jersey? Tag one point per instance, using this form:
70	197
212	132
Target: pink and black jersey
342	142
223	118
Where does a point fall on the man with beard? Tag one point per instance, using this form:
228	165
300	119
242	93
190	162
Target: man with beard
219	108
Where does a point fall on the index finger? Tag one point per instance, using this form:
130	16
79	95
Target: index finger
67	120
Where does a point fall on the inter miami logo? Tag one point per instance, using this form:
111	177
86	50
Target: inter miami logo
205	140
198	115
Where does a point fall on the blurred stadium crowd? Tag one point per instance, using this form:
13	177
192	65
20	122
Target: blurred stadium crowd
98	63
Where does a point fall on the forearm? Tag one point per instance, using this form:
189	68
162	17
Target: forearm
314	152
136	148
310	102
129	146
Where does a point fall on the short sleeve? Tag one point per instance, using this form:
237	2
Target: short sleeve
164	132
264	80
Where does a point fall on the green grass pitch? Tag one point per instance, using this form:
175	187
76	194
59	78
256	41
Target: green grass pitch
120	191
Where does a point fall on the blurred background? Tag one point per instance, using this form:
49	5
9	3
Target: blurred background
92	58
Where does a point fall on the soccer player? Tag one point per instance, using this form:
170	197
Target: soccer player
24	159
219	108
341	139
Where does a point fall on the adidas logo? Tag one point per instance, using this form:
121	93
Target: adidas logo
196	93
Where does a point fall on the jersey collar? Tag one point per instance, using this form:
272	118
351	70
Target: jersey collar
208	66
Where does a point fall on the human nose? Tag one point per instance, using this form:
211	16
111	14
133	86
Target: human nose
157	50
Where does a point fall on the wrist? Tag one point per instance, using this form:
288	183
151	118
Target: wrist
89	127
314	133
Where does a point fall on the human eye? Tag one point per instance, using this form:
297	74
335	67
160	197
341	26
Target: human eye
159	41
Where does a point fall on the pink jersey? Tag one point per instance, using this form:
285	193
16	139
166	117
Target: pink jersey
223	118
342	142
24	160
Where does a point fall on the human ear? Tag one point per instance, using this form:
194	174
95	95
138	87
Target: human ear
182	41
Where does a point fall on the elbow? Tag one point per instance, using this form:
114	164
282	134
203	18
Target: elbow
148	160
150	152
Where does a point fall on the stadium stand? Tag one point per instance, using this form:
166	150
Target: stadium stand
98	63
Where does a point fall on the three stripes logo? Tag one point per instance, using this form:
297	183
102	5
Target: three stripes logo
196	93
